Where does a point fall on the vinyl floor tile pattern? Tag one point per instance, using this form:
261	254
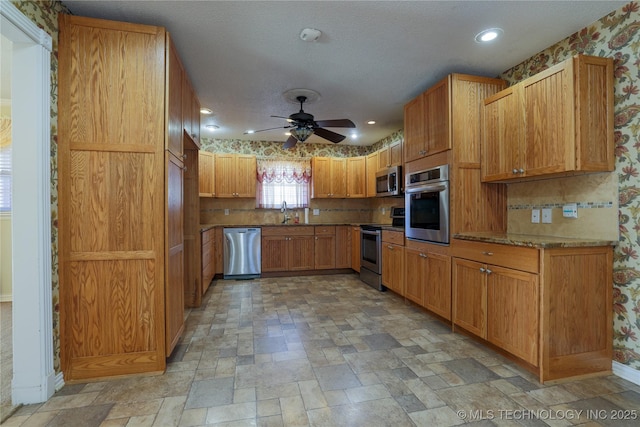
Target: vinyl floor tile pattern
330	351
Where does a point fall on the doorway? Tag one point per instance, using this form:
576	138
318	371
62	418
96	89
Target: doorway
33	377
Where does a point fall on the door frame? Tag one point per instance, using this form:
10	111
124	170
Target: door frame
33	374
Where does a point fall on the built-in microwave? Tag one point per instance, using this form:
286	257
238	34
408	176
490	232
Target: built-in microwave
427	205
389	182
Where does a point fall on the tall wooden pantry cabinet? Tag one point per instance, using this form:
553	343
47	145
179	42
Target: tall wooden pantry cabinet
121	198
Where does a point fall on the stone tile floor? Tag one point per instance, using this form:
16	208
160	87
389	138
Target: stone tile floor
330	351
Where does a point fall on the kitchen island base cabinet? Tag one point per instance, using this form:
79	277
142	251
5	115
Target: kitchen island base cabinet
550	308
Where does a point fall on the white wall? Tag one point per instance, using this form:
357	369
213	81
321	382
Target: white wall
5	258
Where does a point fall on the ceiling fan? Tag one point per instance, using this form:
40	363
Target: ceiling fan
303	125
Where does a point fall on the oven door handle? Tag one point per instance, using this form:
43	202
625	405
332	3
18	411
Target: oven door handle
439	187
374	233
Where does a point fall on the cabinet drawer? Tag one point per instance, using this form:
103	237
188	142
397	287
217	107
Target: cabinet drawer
291	230
325	229
516	257
395	237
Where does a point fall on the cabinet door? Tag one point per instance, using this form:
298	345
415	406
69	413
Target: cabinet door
415	275
338	177
549	142
414	147
356	177
437	292
275	253
246	177
384	160
195	116
225	174
470	296
206	181
437	124
321	177
512	312
501	136
343	246
325	252
395	154
372	168
355	248
393	267
174	285
174	101
301	253
208	259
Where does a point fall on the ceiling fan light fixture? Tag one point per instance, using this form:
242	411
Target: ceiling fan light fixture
301	133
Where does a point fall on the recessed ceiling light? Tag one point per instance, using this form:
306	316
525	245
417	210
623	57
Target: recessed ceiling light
204	110
310	34
371	122
288	133
250	131
488	35
212	127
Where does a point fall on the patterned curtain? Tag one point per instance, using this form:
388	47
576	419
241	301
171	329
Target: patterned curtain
283	180
5	131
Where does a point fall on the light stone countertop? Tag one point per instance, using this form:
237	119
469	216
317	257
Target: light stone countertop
542	242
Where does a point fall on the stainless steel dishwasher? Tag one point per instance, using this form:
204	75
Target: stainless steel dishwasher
242	255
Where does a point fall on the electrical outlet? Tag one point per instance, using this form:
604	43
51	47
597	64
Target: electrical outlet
546	216
384	211
316	211
570	210
535	216
226	211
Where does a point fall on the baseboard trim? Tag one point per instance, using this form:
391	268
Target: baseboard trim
626	372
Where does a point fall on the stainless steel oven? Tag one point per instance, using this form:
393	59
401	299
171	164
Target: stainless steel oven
427	205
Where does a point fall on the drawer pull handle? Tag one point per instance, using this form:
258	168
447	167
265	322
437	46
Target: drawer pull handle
487	253
422	255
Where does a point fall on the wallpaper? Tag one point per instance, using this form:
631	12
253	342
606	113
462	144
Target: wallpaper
616	35
45	15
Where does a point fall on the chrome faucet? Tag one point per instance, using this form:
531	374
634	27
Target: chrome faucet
285	211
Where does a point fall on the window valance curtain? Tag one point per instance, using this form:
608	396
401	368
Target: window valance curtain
283	180
278	171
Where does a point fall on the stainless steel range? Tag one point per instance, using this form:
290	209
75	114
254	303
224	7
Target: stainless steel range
371	249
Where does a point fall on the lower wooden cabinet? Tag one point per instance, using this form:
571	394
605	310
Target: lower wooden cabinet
355	248
428	277
325	247
393	260
208	258
551	308
288	248
343	246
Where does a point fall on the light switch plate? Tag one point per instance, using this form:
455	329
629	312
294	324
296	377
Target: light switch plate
226	211
316	211
570	210
535	216
546	216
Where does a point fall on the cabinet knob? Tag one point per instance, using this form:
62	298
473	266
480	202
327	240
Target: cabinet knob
487	253
488	271
184	168
515	171
422	255
482	270
184	156
390	247
520	170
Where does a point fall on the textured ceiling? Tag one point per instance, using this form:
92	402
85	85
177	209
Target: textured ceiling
372	57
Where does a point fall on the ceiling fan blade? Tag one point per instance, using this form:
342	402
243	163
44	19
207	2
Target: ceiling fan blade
338	123
329	135
283	117
262	130
290	142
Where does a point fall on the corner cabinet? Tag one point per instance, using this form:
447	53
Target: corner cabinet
235	175
548	307
122	198
555	123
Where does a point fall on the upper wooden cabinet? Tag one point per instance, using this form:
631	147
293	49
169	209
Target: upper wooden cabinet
557	122
427	129
329	177
391	155
206	174
190	111
235	175
356	177
371	169
174	89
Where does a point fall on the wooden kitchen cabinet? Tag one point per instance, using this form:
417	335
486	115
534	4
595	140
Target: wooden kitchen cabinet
426	122
371	169
190	111
343	246
393	261
555	123
235	175
356	249
548	307
123	267
206	174
329	177
208	258
287	248
356	177
391	155
325	247
428	277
